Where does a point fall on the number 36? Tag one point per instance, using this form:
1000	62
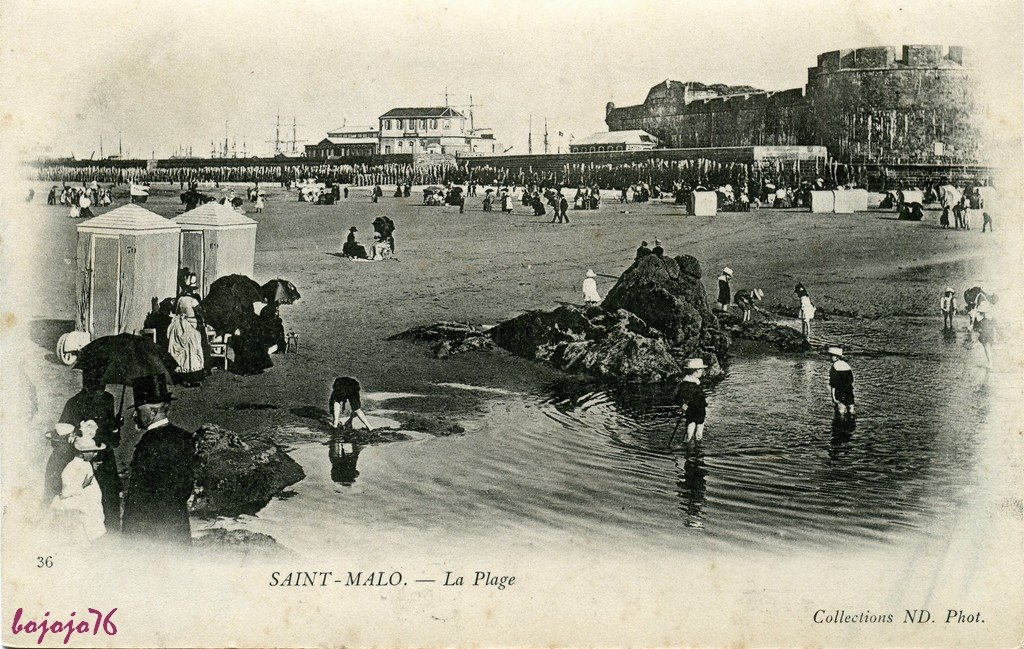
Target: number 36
44	562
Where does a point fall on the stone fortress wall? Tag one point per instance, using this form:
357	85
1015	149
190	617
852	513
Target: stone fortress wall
864	105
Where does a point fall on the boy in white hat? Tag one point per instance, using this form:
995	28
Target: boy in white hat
948	306
840	382
692	399
724	290
590	295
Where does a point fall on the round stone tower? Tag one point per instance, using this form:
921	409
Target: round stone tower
867	105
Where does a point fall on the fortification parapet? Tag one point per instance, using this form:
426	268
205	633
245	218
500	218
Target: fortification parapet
913	104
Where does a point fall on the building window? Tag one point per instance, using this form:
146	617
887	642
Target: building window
387	148
433	124
401	125
387	124
400	144
600	148
423	124
411	143
447	124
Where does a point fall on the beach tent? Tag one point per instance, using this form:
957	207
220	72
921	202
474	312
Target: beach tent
704	203
949	196
823	202
912	196
126	257
216	241
848	201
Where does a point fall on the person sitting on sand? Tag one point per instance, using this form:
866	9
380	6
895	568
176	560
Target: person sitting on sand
380	250
346	391
353	248
840	381
657	251
642	251
745	300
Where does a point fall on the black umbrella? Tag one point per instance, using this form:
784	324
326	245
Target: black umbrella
280	291
123	358
384	226
228	304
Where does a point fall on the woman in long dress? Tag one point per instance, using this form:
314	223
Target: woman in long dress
185	343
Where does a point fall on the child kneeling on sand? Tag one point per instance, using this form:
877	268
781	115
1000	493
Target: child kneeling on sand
346	390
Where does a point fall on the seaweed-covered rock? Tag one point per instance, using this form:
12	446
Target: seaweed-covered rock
656	316
668	295
447	338
235	476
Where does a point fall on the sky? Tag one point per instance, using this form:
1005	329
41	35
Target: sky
179	74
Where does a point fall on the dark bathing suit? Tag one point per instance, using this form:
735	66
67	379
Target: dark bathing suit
345	389
692	396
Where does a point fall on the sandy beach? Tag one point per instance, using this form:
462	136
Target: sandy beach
482	268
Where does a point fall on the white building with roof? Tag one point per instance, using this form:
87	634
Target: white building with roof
438	129
635	140
346	142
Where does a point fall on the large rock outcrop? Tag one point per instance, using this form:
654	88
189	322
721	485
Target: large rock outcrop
236	476
656	316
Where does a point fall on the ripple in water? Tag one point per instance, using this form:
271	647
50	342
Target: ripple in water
583	466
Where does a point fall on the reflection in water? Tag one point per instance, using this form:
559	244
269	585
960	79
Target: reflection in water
344	456
691	486
582	461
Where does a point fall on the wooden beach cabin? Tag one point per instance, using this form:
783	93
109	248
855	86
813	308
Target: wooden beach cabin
126	257
216	241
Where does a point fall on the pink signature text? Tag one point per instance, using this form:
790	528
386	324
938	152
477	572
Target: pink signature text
69	627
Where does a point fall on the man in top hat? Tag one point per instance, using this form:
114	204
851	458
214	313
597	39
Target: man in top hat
658	251
162	469
948	307
692	400
840	382
724	290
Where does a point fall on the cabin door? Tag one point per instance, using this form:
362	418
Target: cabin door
105	286
192	257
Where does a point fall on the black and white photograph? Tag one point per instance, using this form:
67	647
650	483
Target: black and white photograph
511	324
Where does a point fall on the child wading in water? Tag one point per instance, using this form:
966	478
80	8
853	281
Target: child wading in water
806	310
692	400
840	382
948	306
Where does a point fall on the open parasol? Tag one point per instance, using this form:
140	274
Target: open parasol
280	291
123	358
228	304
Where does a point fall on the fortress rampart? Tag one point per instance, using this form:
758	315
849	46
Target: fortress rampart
864	105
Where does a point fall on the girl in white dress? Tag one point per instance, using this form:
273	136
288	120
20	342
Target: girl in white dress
77	511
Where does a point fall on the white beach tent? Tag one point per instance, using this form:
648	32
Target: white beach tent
126	257
216	241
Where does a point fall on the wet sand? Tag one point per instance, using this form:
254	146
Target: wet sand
481	268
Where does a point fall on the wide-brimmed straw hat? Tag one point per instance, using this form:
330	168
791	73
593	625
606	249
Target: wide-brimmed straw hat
727	271
591	273
85	441
949	290
758	293
835	351
695	364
